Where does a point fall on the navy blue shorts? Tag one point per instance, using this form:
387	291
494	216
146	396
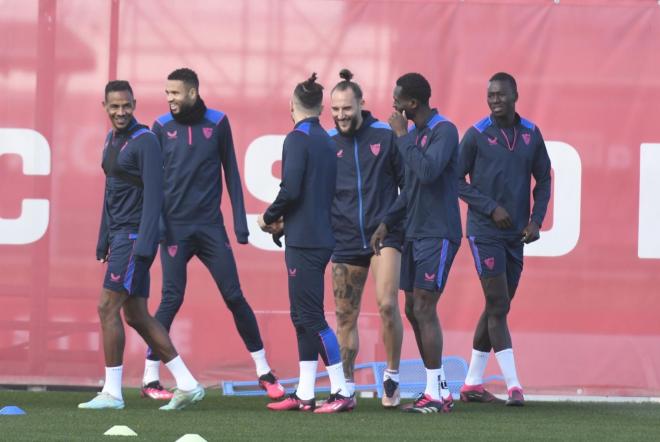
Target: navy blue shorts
362	258
124	273
425	263
495	256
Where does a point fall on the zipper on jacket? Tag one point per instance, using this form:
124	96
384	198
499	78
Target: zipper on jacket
359	189
189	135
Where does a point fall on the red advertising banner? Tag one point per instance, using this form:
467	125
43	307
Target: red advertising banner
588	72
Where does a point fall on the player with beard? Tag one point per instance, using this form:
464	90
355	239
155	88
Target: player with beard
128	239
197	143
429	203
369	174
499	223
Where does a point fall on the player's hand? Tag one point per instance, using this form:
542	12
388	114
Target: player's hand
102	257
277	228
261	222
377	238
272	228
277	238
399	123
102	260
501	218
530	233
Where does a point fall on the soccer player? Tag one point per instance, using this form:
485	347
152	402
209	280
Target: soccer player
196	143
304	202
500	154
429	202
128	239
369	173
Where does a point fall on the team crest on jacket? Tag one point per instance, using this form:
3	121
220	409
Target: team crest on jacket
424	139
171	135
375	148
208	131
171	250
526	138
340	153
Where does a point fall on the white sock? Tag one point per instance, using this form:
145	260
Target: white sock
478	362
260	362
305	390
337	379
433	383
112	384
508	366
184	379
444	389
391	374
351	388
151	371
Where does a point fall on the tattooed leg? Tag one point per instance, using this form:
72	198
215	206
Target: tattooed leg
348	283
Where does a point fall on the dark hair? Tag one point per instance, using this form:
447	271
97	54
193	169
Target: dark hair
188	76
309	93
346	83
118	86
503	76
414	85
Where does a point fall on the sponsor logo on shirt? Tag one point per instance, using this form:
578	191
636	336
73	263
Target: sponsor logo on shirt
428	277
340	153
171	135
490	263
292	272
492	141
115	278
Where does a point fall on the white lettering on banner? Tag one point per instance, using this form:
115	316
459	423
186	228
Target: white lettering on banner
34	151
261	154
567	187
648	239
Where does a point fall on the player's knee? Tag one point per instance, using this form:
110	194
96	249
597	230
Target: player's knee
135	320
497	307
346	317
423	311
171	303
388	311
236	301
107	311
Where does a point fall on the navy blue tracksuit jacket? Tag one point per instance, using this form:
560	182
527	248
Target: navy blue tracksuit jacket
429	199
309	171
133	189
193	156
369	174
500	175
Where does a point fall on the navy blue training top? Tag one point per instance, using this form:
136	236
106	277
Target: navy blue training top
500	171
309	173
193	156
133	194
429	199
369	173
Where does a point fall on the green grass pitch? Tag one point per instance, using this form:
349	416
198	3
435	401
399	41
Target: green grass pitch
53	416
